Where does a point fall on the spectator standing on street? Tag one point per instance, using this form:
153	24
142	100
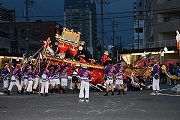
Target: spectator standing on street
178	72
163	75
170	72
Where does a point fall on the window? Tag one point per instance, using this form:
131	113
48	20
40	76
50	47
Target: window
140	4
140	12
166	19
140	30
140	41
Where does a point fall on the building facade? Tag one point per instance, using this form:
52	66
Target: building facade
158	20
161	22
80	15
7	14
13	36
139	41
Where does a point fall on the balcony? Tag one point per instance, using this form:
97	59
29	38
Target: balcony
155	44
162	43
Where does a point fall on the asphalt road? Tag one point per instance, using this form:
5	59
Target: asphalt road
135	105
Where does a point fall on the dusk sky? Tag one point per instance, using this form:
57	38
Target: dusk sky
121	11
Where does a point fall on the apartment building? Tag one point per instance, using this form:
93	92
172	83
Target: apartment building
80	15
162	19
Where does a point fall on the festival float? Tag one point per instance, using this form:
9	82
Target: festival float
69	41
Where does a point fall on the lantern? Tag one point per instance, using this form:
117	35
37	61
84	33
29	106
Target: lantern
73	50
62	47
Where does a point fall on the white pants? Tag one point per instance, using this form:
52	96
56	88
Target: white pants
119	82
84	85
24	82
14	83
109	80
36	82
54	82
29	87
5	83
64	81
155	84
44	86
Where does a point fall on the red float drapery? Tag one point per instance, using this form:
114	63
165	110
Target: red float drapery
97	76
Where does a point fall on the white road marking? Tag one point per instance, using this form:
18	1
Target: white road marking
170	95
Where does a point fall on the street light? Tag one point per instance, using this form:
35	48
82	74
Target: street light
162	53
178	42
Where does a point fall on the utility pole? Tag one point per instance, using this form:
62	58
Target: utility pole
28	3
102	21
138	33
113	46
113	33
120	47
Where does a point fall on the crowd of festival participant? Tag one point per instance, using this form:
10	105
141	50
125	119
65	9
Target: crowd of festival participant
53	76
48	77
28	77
